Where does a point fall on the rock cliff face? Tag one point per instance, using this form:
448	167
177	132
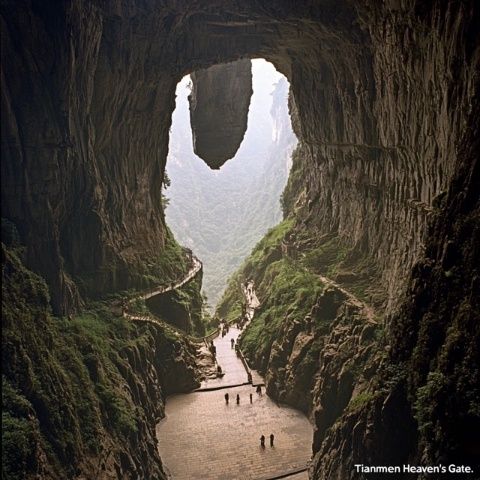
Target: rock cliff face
83	395
319	360
83	167
219	110
429	380
182	307
383	95
380	159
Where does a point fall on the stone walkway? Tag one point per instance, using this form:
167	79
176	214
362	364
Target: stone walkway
232	366
252	303
203	438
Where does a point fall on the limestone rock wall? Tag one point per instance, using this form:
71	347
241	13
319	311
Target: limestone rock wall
84	141
383	94
429	379
82	395
219	104
380	131
318	363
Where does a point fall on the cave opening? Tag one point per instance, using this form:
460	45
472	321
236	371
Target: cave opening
369	315
238	203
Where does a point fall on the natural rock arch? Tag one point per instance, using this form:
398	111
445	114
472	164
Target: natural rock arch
382	96
360	89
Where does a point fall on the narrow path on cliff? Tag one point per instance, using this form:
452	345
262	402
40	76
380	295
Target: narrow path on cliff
367	310
195	267
204	437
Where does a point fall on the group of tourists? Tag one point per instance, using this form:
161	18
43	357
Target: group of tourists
259	391
243	319
262	440
224	327
227	396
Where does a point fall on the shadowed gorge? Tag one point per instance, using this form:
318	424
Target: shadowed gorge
236	205
368	319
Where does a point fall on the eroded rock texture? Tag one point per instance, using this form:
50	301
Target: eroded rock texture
318	360
219	110
82	395
383	94
426	390
89	90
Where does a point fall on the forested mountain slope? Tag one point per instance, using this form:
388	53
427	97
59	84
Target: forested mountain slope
222	214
